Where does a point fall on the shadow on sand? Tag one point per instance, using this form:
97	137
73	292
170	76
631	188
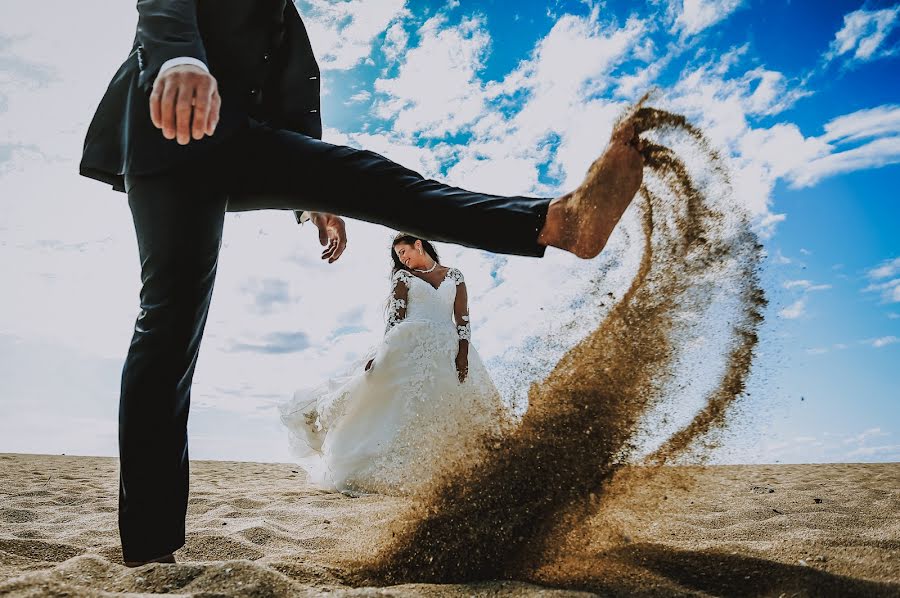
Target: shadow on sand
658	570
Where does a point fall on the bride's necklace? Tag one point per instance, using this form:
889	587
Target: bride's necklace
431	269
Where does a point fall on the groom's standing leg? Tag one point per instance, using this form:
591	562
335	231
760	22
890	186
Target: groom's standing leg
179	223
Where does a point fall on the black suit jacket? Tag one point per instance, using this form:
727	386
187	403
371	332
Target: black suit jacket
259	53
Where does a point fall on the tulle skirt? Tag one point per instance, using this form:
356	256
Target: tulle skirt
395	428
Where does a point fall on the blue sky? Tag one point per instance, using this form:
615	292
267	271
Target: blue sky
504	97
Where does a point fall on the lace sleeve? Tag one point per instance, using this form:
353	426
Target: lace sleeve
461	306
396	307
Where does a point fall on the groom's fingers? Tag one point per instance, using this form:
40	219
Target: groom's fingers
334	250
167	110
340	236
213	118
337	239
341	246
329	250
183	109
203	96
156	104
184	103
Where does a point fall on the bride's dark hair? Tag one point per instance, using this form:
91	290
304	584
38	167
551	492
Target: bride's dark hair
409	239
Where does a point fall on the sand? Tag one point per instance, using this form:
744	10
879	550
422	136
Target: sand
259	530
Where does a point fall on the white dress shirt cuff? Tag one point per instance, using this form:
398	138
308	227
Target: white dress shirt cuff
182	60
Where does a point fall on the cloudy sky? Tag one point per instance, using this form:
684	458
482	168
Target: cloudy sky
802	96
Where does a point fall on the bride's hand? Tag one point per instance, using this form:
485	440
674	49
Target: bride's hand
462	366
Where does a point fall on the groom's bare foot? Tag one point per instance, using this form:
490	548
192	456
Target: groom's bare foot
169	558
582	221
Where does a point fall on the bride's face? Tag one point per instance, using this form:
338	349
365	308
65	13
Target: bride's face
412	256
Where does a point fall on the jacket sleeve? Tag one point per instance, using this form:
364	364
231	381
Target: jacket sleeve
166	29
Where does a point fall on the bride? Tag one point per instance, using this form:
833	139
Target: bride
415	405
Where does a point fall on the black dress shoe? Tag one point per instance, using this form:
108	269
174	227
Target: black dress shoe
169	558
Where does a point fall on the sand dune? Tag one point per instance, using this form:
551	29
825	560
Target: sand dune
259	530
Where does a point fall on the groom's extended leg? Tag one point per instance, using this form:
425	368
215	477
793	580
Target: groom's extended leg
179	229
270	168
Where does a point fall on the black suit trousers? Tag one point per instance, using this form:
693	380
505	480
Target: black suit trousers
179	216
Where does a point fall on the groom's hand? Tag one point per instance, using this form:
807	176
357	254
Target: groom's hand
185	103
332	235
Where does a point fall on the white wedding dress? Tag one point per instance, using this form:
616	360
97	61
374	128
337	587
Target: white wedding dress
393	428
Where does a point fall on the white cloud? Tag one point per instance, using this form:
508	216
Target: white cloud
534	115
395	42
823	350
696	15
794	310
864	124
862	34
782	259
782	151
865	435
889	289
360	97
561	106
885	452
874	154
723	100
886	269
883	341
805	285
421	102
342	32
829	447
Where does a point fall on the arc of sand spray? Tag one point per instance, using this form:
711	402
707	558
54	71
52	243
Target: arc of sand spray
503	515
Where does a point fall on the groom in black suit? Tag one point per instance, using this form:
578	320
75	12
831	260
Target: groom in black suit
216	109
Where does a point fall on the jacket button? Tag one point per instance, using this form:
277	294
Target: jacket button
266	57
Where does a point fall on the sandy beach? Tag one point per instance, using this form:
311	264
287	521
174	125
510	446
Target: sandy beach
259	530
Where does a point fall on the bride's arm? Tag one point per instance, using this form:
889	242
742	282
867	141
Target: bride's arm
396	307
463	330
396	310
